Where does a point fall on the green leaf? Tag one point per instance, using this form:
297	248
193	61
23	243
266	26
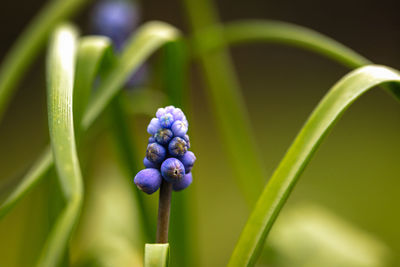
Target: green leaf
150	36
279	187
93	53
269	31
31	41
156	255
60	84
226	99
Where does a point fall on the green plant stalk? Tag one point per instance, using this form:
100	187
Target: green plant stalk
60	83
282	182
153	33
128	154
229	109
30	43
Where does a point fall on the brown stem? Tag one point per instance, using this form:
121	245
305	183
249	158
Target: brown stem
164	206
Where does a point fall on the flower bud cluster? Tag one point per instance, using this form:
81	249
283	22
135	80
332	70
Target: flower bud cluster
167	154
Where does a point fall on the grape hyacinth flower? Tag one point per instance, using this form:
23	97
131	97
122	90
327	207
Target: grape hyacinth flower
167	158
118	19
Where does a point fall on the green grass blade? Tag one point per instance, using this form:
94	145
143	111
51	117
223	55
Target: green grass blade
60	82
248	31
227	102
32	177
93	53
148	38
151	36
125	144
156	255
30	43
279	187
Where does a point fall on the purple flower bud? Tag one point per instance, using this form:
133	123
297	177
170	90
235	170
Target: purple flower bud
184	183
179	128
148	164
115	19
177	147
172	170
169	109
188	161
148	180
166	120
160	112
163	136
185	122
155	153
154	126
186	138
151	140
178	114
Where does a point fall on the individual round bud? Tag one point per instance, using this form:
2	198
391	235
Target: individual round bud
166	120
148	180
151	140
154	126
156	153
148	164
177	147
184	183
188	161
160	112
187	139
172	170
163	136
184	120
169	109
179	128
178	114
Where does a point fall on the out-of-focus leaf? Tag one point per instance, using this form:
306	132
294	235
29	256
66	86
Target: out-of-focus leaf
269	31
60	84
229	109
156	255
30	43
279	187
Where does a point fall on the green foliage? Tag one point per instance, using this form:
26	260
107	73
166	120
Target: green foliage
156	255
60	79
279	187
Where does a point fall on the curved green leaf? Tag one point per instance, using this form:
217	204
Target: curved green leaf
279	187
60	79
93	52
246	31
150	36
29	44
156	255
226	99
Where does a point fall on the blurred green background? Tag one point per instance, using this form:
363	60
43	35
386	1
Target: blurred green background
355	174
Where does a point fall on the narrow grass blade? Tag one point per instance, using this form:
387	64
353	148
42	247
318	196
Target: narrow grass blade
151	36
30	43
279	187
93	53
269	31
128	154
33	176
60	79
156	255
148	38
227	102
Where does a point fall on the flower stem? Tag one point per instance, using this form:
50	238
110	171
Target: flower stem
164	206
